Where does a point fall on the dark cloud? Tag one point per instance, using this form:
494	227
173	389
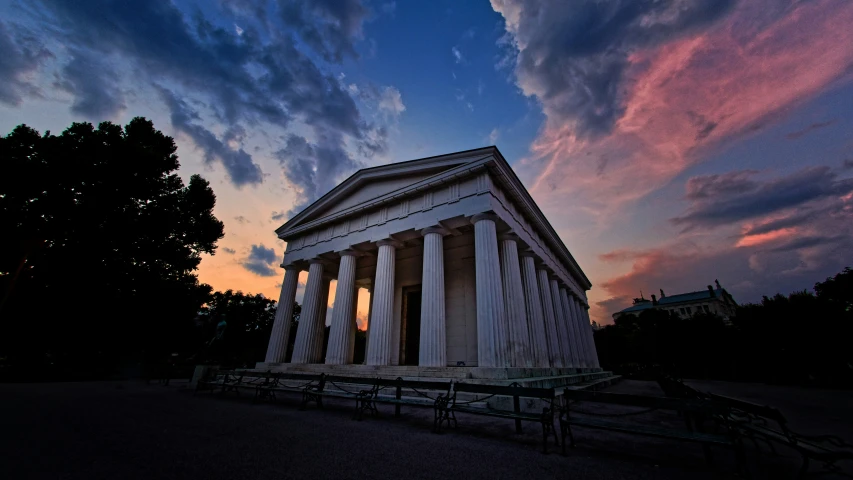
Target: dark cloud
313	167
809	129
259	73
704	127
278	216
573	56
94	84
716	203
22	54
847	163
261	261
229	251
711	186
239	165
241	219
329	27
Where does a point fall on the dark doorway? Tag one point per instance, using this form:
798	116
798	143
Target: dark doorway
411	325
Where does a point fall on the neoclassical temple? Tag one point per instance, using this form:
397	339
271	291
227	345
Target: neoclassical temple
463	270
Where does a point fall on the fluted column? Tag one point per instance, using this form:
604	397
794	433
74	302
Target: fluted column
533	308
560	318
354	328
593	350
516	315
277	347
369	323
432	351
316	355
491	333
383	304
341	328
577	332
305	334
572	338
554	354
587	357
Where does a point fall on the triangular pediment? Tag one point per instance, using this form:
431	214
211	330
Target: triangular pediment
369	184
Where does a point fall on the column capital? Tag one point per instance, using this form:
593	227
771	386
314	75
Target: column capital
349	252
484	216
291	267
390	242
435	229
527	253
508	236
321	261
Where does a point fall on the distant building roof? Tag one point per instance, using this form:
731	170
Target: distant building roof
644	304
690	297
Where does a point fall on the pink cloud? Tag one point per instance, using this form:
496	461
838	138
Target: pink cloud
763	238
683	98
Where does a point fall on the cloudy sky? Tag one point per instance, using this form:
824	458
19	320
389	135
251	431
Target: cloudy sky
670	143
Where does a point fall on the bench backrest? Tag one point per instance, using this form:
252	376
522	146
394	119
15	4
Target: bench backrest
353	380
419	384
664	403
514	390
765	411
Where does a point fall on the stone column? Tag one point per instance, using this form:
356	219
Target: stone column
491	333
533	308
320	322
516	315
341	329
383	304
560	318
354	329
305	334
432	351
593	350
583	325
554	356
277	347
576	331
572	338
369	323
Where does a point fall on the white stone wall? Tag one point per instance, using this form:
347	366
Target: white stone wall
461	300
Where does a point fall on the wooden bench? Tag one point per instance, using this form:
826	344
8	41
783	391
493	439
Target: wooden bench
421	388
362	396
689	409
446	407
768	424
224	380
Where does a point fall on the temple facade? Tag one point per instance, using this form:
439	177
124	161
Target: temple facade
463	270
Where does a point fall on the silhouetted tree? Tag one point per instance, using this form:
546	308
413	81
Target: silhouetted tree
101	240
799	338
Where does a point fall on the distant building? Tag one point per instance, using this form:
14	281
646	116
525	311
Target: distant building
713	300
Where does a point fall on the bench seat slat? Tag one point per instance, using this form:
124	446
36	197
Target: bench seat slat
498	413
650	431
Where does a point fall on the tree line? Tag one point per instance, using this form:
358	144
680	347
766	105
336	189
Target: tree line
101	240
802	338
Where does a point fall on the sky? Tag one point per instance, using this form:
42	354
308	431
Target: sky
669	143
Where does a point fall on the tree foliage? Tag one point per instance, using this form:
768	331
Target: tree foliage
249	320
101	240
799	338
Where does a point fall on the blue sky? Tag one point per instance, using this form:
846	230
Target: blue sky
669	143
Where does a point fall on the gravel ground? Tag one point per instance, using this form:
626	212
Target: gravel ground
131	430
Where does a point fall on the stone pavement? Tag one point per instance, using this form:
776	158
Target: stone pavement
131	430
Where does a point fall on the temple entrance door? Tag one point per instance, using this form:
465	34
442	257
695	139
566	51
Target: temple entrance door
411	325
